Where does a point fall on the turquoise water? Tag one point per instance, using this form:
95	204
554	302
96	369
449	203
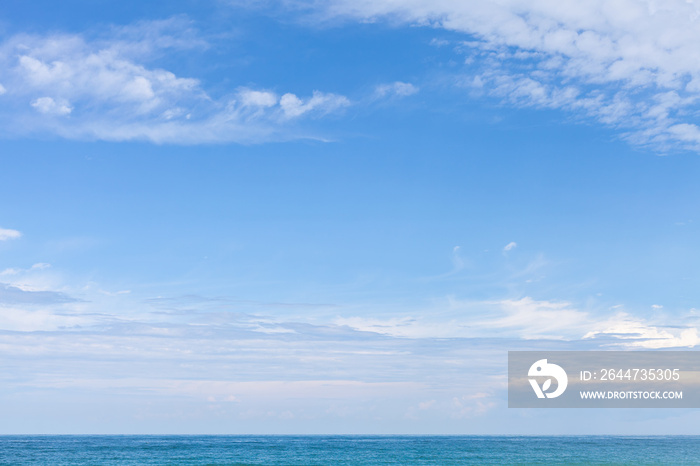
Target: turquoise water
344	450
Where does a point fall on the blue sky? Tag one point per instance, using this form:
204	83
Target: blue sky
338	217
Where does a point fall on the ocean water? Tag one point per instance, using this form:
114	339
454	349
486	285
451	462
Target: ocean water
344	450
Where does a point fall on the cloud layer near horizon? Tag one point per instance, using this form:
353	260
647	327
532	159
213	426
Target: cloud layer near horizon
293	359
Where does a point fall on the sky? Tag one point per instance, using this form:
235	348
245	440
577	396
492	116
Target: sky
296	217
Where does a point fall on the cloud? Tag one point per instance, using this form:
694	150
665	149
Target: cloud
531	319
629	64
252	98
292	106
468	406
204	351
627	331
69	69
395	89
14	295
508	318
149	37
23	320
49	106
7	234
426	405
458	262
510	246
528	319
102	88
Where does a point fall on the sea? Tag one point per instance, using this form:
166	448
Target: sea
58	450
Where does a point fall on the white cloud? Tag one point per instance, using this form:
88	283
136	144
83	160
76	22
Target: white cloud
40	277
145	38
468	406
510	246
117	340
398	88
636	333
22	320
114	293
426	405
522	318
292	106
630	64
75	71
252	98
528	319
6	234
49	106
531	319
110	93
457	260
395	326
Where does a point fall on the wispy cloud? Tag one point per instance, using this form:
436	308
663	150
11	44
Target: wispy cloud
524	318
14	295
624	330
225	354
628	64
102	88
7	234
293	106
531	320
395	89
510	246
